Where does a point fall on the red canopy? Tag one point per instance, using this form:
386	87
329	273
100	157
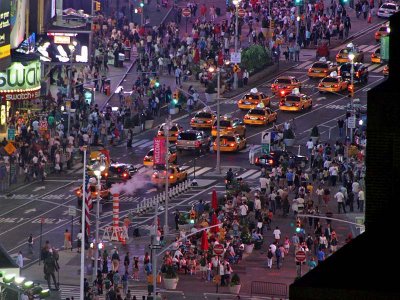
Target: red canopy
214	221
214	200
204	241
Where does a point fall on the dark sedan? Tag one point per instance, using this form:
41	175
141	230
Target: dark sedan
119	172
275	158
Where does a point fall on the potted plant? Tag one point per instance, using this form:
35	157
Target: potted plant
234	286
170	278
148	124
288	137
247	241
314	134
210	92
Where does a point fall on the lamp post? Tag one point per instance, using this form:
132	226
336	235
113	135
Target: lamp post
212	69
98	170
69	89
297	24
351	57
166	134
82	274
235	76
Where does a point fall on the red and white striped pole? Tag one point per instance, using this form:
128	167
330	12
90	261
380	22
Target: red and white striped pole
115	211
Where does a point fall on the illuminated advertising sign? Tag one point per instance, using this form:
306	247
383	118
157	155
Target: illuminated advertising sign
4	34
20	82
17	21
159	151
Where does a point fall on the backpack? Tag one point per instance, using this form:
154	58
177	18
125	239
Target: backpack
278	252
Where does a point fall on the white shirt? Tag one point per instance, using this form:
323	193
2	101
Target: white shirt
355	187
339	197
257	203
243	210
333	171
263	182
310	145
273	248
20	260
277	234
361	195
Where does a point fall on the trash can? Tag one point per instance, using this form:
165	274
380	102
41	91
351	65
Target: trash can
127	53
121	58
107	87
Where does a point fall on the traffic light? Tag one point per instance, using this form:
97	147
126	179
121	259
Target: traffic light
141	4
175	97
298	226
97	6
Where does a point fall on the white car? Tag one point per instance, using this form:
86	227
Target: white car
388	9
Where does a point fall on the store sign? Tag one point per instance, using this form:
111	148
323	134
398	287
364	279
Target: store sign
21	82
5	19
62	39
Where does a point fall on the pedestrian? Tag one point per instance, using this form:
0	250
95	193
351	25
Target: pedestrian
177	217
136	268
278	255
79	238
361	200
126	262
340	201
320	255
297	52
311	263
246	76
340	123
67	240
115	260
124	281
20	260
50	267
178	75
30	243
277	234
270	255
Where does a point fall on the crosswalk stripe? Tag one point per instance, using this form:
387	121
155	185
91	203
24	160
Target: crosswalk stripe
202	171
303	65
373	67
248	173
254	176
137	143
375	47
361	47
369	48
148	144
380	69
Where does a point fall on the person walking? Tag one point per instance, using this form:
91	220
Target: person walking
79	238
361	200
277	234
270	255
340	123
20	260
67	240
178	75
278	255
246	76
340	201
30	243
126	263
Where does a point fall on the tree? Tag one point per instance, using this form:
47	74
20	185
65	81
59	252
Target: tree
255	58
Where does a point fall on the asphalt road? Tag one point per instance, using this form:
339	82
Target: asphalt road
22	209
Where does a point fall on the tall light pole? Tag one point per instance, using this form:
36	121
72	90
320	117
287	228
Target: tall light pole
69	88
351	57
82	275
99	169
166	134
297	25
235	75
212	69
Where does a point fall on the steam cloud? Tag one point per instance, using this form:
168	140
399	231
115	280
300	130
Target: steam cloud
138	181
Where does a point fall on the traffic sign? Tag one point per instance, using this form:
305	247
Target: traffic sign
265	137
266	148
385	47
351	122
72	211
300	256
218	249
11	134
217	279
186	12
236	68
241	12
236	57
10	149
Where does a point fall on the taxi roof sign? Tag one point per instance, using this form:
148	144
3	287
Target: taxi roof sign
322	59
296	91
333	74
260	105
350	45
254	91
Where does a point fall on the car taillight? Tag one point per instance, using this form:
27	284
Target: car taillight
282	93
125	175
197	144
335	85
232	145
95	193
325	71
270	161
321	85
229	128
208	121
310	70
261	118
240	101
106	174
171	176
154	175
176	134
296	104
192	120
78	192
257	160
358	73
246	117
282	103
337	55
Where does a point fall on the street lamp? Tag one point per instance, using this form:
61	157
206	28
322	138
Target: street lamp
69	90
167	127
351	57
98	169
213	69
237	4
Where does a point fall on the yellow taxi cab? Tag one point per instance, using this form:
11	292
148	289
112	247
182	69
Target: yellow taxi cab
148	159
203	119
386	70
230	143
229	125
105	193
252	99
175	175
260	116
343	55
333	83
295	102
321	68
376	56
284	85
172	133
382	31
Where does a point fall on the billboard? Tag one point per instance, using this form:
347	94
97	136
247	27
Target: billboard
4	34
17	21
159	151
21	81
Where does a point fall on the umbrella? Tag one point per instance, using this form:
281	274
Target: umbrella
214	200
214	221
204	241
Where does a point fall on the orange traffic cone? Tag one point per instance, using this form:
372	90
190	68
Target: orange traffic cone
369	17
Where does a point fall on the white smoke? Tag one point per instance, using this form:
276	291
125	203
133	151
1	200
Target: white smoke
138	181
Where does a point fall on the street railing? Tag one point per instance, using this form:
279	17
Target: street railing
270	289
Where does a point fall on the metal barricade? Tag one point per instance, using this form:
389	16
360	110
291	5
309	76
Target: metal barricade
270	289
